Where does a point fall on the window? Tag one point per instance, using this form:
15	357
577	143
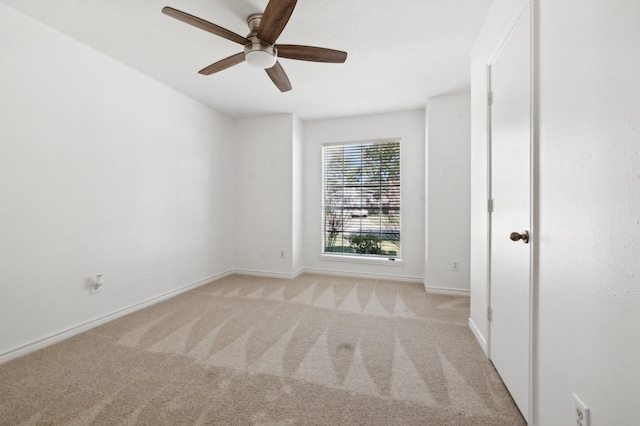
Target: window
361	199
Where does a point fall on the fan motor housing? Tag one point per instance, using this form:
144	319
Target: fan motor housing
257	52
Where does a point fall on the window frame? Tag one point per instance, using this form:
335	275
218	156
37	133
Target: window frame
396	260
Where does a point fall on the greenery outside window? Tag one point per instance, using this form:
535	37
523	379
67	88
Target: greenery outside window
361	199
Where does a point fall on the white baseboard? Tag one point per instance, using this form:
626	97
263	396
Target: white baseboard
268	274
447	291
481	340
88	325
362	275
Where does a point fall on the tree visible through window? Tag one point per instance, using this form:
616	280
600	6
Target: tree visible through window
361	199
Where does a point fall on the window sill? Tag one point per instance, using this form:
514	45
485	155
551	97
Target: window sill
362	259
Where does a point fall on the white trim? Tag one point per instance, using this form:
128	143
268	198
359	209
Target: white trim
378	260
446	291
490	212
510	28
88	325
375	141
481	341
534	217
268	274
348	274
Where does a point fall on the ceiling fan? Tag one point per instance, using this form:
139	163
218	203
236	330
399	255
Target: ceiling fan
260	49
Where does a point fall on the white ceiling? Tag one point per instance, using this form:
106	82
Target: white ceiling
401	52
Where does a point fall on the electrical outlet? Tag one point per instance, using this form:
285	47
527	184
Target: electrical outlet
580	412
455	265
282	254
96	285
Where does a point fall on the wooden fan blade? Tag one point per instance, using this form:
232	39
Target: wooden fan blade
310	53
274	19
279	77
204	25
223	64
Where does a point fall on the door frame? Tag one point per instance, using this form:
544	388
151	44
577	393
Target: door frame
532	5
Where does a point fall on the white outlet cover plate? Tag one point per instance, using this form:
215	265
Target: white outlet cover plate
580	407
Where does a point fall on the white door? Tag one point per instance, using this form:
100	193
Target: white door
510	124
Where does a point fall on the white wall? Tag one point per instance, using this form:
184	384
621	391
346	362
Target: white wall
297	250
448	192
264	206
102	171
589	285
588	298
410	127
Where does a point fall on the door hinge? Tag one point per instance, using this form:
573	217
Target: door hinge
490	97
489	313
490	205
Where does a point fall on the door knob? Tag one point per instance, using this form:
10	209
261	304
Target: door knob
524	236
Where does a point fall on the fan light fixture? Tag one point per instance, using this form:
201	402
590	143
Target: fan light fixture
260	58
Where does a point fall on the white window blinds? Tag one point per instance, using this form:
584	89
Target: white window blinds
361	199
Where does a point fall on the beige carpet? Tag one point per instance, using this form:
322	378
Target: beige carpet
318	350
